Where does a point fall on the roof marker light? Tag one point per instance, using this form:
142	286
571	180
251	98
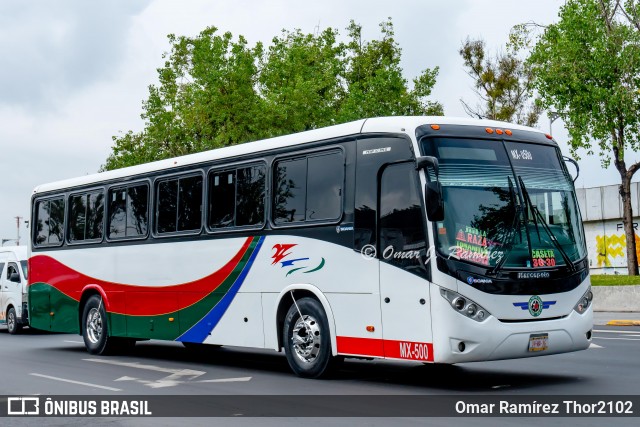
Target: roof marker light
508	132
435	127
499	131
489	130
548	136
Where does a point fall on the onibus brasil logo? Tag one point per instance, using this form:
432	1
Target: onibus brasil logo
282	251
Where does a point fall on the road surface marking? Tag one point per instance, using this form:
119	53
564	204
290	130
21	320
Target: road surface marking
611	338
592	345
175	377
226	380
189	372
75	342
615	332
75	382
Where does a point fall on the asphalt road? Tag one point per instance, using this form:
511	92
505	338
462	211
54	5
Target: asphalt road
38	363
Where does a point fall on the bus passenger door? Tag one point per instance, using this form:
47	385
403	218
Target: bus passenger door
402	254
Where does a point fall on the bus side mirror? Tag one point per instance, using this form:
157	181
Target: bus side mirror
433	190
574	163
423	162
434	202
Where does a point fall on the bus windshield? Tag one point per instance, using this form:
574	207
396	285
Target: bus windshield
507	205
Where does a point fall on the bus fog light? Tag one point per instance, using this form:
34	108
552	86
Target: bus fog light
461	347
459	303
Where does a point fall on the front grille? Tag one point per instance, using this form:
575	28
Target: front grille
530	320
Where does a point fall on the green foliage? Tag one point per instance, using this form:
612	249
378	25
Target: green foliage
587	67
215	91
502	82
614	280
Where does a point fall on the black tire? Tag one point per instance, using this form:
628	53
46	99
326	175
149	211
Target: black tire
95	331
13	327
308	357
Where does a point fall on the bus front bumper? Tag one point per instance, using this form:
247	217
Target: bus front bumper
458	339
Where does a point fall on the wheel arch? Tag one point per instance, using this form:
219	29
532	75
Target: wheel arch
302	290
87	292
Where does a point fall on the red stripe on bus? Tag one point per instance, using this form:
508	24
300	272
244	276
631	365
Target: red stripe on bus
156	299
375	347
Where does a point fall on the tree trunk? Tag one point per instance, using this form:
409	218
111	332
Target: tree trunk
627	220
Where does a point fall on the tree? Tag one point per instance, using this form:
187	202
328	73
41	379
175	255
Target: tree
587	67
374	82
503	82
215	91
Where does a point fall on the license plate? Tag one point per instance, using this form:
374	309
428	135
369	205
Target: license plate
538	342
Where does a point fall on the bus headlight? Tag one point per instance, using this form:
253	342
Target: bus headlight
585	302
465	306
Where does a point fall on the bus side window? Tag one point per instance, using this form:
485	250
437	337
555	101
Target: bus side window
128	211
236	197
402	234
309	189
290	190
179	204
325	178
49	223
86	214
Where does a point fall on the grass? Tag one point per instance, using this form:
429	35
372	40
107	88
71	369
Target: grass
614	280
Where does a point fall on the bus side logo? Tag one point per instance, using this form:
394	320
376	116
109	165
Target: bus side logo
281	251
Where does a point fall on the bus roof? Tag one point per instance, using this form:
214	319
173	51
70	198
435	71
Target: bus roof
398	124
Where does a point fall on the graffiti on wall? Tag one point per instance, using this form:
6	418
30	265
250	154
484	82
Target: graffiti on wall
611	248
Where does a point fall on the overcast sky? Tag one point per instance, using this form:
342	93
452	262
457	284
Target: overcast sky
74	72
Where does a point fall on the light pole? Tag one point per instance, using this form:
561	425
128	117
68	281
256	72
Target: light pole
553	116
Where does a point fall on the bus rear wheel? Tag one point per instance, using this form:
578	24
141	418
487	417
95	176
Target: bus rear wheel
307	341
95	330
13	327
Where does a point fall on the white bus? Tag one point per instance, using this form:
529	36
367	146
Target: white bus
429	239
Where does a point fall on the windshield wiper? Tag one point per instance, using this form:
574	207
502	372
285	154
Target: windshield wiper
536	214
510	232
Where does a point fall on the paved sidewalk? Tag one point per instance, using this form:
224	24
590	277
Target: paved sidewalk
617	318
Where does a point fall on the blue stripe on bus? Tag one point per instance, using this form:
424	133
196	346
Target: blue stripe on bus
201	330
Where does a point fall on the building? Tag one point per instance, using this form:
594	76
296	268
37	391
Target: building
601	209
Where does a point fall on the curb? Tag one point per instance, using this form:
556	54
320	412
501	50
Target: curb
623	323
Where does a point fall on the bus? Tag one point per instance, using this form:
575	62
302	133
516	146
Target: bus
427	239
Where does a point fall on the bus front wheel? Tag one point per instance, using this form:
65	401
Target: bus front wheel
307	341
95	331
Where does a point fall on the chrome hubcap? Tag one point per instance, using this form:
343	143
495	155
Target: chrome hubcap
94	325
306	339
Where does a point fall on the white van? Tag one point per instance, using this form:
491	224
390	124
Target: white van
13	288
